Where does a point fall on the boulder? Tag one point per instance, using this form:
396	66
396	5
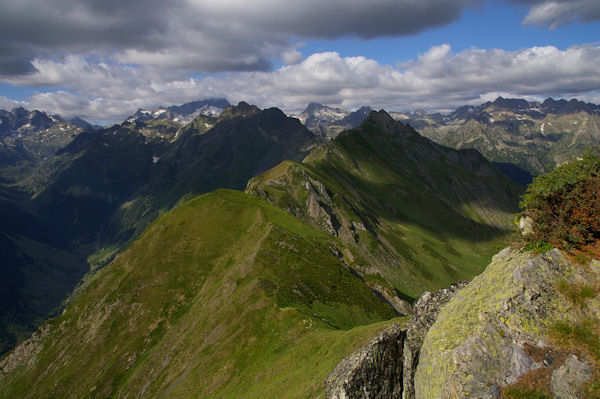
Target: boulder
477	344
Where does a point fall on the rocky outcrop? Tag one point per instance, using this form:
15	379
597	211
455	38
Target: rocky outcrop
474	340
25	352
482	340
385	367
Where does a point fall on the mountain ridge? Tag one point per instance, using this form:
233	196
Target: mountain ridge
184	113
367	188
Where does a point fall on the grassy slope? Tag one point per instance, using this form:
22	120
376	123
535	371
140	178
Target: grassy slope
224	295
35	272
34	278
433	221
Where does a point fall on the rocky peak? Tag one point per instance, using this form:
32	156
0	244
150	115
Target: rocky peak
242	110
313	107
184	113
511	104
420	112
40	120
563	107
20	112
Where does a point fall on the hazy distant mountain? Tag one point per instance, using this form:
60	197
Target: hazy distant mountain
29	137
329	122
20	120
317	117
182	113
521	137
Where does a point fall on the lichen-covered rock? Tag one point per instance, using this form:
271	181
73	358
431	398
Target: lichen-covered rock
477	344
373	372
567	381
425	311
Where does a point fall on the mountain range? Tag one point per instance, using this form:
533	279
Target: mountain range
522	138
104	187
316	254
182	113
207	249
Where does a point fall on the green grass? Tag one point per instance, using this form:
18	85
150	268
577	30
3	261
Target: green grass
427	227
576	294
580	335
102	257
225	294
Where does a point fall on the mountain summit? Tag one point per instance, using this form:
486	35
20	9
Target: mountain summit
182	113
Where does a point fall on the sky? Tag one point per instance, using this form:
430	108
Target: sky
102	60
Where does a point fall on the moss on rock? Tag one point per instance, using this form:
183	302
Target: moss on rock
476	345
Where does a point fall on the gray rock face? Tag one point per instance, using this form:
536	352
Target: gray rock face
474	340
566	382
373	372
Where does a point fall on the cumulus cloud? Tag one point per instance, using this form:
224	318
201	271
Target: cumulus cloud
554	13
108	57
201	35
437	80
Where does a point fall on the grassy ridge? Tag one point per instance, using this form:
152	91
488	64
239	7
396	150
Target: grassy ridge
420	215
224	295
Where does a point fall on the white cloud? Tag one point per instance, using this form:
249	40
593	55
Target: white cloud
291	56
437	80
554	13
201	35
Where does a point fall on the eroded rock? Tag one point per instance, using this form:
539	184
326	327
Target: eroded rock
373	372
425	312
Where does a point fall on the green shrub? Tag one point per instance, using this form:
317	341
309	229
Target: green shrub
576	294
564	205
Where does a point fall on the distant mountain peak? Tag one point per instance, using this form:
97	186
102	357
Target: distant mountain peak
182	113
381	119
513	104
312	107
243	109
